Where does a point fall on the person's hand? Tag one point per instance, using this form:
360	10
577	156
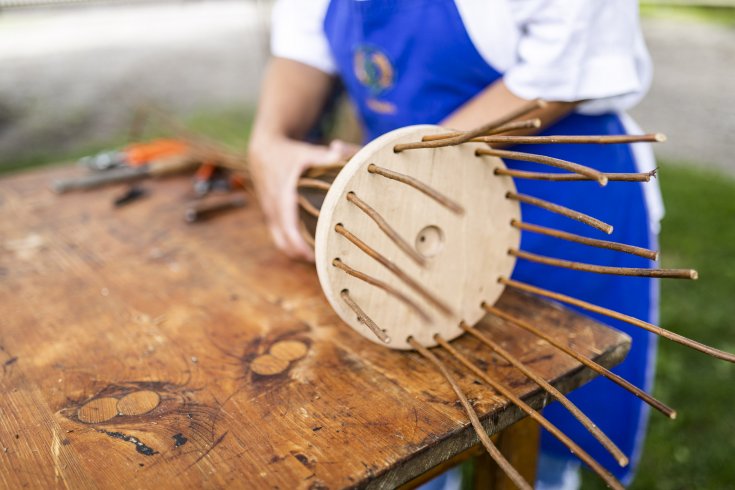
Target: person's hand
276	166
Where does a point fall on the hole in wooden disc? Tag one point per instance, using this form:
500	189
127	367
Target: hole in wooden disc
430	241
99	410
138	402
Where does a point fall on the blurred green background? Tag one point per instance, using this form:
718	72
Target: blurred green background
695	451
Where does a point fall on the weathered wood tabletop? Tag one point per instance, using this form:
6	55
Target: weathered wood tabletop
130	341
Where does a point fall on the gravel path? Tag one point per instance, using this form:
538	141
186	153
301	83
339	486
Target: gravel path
71	76
692	98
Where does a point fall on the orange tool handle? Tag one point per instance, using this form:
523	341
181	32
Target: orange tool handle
139	154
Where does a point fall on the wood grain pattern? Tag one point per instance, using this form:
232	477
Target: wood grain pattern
463	251
100	303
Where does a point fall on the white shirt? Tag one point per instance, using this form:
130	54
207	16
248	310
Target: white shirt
560	50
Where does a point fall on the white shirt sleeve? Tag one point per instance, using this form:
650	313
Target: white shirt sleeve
298	33
571	50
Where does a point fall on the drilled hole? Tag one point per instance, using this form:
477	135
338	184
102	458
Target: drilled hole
430	241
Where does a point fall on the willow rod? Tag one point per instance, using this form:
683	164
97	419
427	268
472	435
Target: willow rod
386	228
573	447
511	126
555	177
711	351
596	139
601	269
440	305
473	133
623	383
309	183
308	207
305	234
319	170
381	285
592	242
564	211
621	458
363	318
419	186
544	160
497	456
205	147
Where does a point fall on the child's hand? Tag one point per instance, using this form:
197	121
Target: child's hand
276	166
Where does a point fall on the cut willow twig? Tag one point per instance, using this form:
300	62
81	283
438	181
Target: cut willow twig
618	247
621	458
398	272
711	351
596	139
473	133
419	186
544	160
555	208
552	177
318	171
308	207
363	318
386	228
502	389
227	157
511	126
309	183
601	269
623	383
497	456
305	234
339	264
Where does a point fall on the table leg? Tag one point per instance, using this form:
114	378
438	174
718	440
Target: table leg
519	443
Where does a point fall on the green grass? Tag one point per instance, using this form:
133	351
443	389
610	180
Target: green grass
712	14
696	450
230	127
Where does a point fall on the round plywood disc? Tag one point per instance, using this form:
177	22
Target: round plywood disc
463	251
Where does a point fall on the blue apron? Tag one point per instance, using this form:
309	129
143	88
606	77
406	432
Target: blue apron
412	62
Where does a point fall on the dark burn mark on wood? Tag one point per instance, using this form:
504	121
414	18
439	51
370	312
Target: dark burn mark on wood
139	446
175	401
481	363
179	439
541	358
275	459
349	360
260	346
304	460
9	361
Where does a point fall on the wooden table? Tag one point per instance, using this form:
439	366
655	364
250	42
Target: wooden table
130	341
